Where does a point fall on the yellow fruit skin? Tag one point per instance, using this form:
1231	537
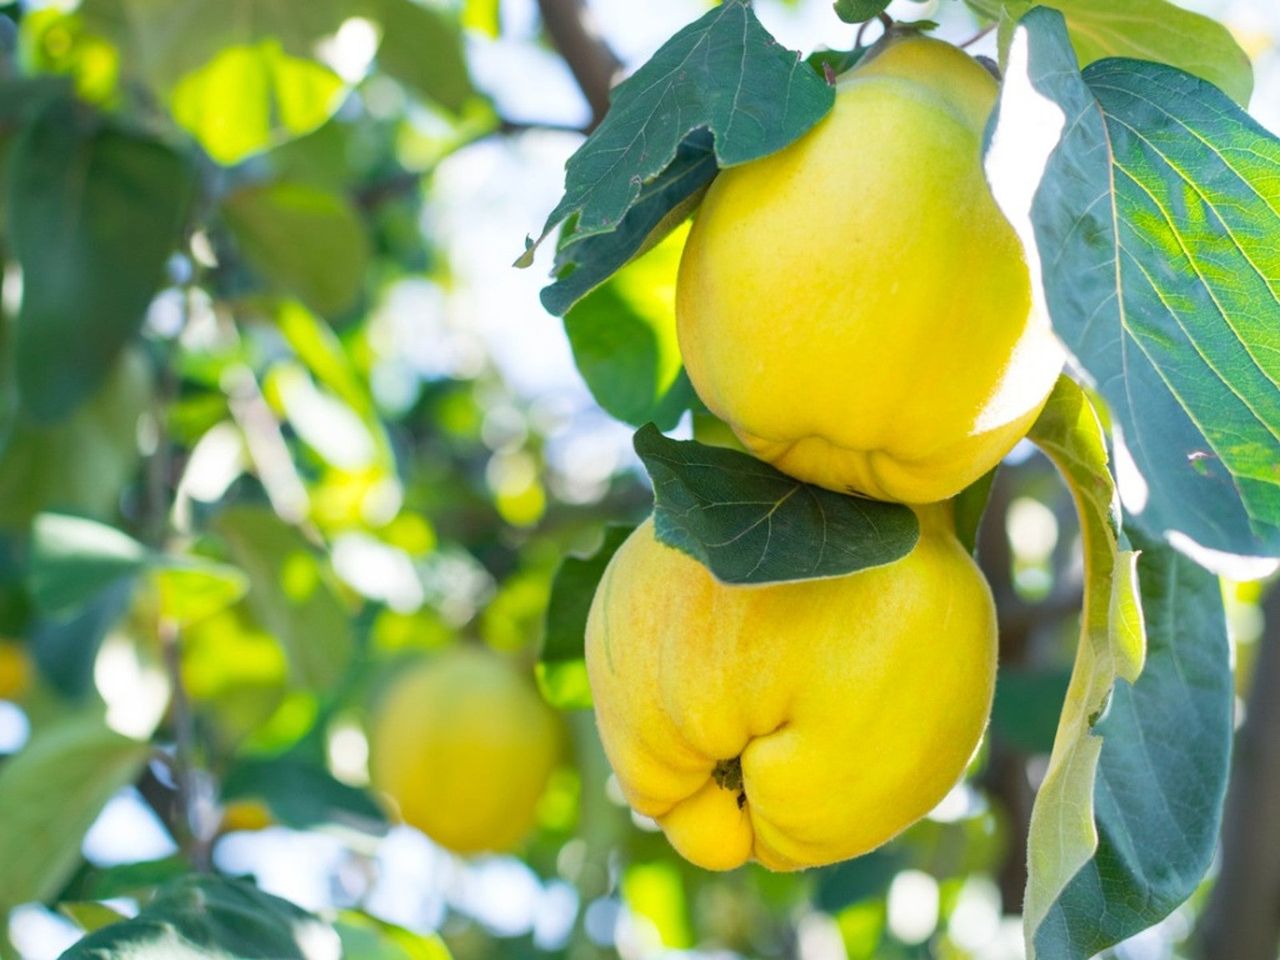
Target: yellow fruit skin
855	306
853	703
464	745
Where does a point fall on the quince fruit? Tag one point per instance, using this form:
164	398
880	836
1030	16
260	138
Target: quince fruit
856	306
465	746
797	723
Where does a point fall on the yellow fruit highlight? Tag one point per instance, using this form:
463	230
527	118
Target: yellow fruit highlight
855	306
796	724
15	671
465	746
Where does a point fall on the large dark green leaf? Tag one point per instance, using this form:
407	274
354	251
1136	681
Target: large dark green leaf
213	918
662	203
94	213
747	522
1163	770
51	792
723	72
1155	220
1145	30
1063	836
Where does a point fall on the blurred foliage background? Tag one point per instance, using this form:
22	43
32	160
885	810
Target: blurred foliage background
279	418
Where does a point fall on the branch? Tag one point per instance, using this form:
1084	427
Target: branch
594	65
1242	918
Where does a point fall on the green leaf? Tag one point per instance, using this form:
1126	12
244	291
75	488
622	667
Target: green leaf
89	915
1154	30
861	878
422	48
201	916
66	647
193	588
623	336
662	204
164	40
1154	226
571	592
562	668
1063	835
303	796
970	504
858	11
251	97
83	463
307	240
292	594
366	938
482	16
51	791
749	523
94	213
73	559
723	72
1163	772
1027	706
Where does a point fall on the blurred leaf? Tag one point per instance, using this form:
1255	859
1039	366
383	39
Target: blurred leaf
319	348
164	40
54	41
623	336
215	918
655	891
482	16
562	669
1027	706
663	203
292	593
192	588
249	97
571	592
66	647
857	11
93	216
126	879
970	505
847	883
83	463
1159	260
1163	772
749	523
723	72
1155	30
51	791
307	240
303	796
367	938
88	915
73	559
1063	836
422	48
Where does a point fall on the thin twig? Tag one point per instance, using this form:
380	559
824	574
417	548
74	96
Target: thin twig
977	36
